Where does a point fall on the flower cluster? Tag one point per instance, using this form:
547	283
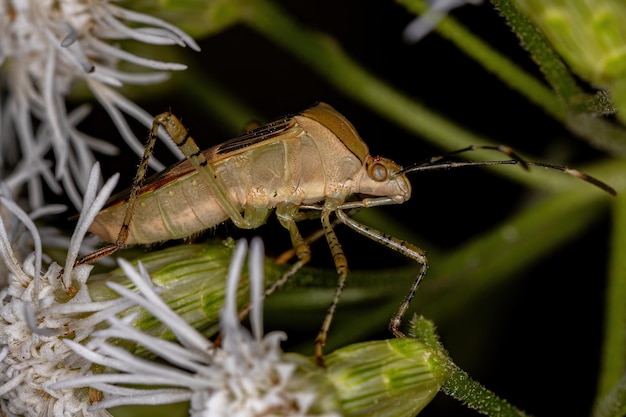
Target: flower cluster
36	315
247	375
47	48
49	343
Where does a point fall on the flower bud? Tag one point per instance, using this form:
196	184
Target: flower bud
588	34
192	279
386	378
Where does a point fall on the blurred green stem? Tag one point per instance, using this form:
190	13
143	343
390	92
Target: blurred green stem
613	359
323	55
222	106
567	103
493	61
614	403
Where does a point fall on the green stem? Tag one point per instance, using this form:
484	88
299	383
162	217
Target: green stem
323	55
613	359
580	110
614	403
493	61
551	65
463	388
218	103
580	115
458	384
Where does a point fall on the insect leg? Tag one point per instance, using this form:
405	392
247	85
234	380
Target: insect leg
407	249
313	237
122	236
182	139
341	265
287	214
180	136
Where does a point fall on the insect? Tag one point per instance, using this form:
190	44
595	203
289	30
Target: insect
310	162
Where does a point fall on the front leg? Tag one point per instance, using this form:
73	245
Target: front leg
341	265
287	214
405	248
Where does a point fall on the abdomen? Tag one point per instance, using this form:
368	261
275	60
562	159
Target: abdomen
173	211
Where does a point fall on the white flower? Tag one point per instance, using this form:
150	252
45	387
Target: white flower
248	375
46	48
424	24
36	316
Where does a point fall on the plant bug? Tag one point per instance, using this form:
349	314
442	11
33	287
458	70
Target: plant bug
312	161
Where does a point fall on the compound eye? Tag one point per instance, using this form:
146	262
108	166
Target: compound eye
378	172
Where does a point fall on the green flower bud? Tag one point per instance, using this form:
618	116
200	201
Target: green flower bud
590	35
394	378
192	280
386	378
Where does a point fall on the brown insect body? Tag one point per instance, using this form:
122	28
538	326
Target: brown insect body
313	160
307	158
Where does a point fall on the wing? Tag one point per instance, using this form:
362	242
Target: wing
280	129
